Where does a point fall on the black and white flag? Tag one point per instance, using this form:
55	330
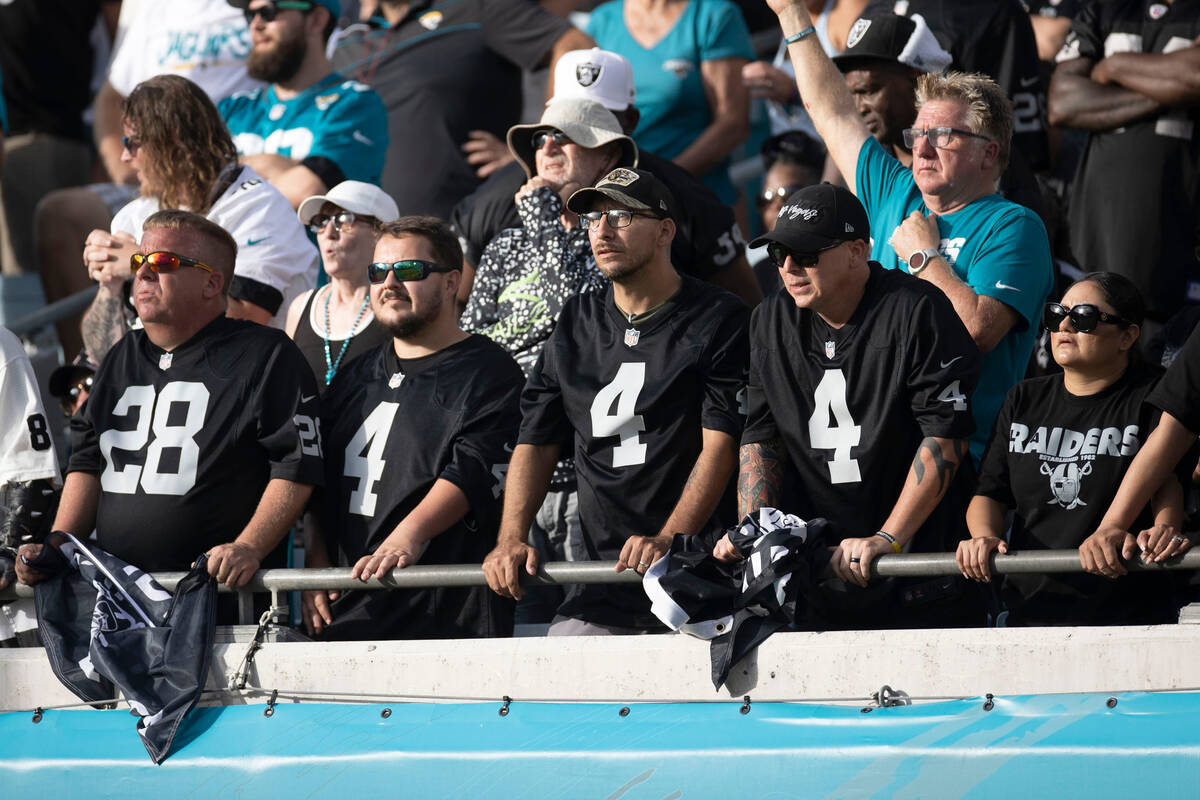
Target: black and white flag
104	623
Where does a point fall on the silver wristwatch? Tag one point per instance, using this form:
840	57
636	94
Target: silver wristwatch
920	259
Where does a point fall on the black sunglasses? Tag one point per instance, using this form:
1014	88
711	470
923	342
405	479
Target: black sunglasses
410	270
271	10
1084	317
539	138
67	401
779	252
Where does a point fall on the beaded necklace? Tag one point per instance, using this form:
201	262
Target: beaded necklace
331	366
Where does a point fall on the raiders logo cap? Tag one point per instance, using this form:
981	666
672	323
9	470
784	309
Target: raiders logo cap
890	37
599	75
635	189
818	217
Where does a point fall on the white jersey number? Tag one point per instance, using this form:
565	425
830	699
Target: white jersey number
830	400
953	394
623	391
368	468
154	415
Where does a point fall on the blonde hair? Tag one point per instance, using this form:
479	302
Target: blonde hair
989	111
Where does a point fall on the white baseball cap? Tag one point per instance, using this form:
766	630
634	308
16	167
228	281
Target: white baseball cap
599	75
354	196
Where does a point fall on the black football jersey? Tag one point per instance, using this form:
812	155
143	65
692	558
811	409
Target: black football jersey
1178	393
392	427
185	442
632	402
852	404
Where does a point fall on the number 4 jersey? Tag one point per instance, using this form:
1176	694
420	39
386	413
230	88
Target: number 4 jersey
186	441
852	404
392	428
633	401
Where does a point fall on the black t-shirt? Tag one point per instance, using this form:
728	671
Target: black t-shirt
707	237
312	345
392	428
1057	459
1135	206
447	68
1179	391
185	442
994	37
46	58
633	407
853	404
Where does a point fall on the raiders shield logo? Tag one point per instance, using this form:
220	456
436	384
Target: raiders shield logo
631	336
857	31
830	348
587	74
621	177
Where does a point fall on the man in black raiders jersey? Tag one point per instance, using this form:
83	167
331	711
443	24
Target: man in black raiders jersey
417	436
860	380
645	381
199	434
1178	396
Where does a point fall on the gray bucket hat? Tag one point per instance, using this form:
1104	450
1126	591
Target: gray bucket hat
585	122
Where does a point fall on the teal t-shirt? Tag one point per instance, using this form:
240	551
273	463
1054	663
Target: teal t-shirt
670	92
336	119
996	247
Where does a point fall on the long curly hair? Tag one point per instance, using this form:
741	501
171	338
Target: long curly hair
184	141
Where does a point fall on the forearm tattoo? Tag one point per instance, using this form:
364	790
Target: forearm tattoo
760	475
104	324
944	467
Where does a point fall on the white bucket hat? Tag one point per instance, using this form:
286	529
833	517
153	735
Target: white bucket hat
357	197
585	122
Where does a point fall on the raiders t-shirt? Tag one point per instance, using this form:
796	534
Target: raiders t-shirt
185	442
1057	459
632	402
393	427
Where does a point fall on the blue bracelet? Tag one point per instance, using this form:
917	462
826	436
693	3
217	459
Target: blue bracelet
795	37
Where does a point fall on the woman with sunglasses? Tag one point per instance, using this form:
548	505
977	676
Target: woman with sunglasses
1059	449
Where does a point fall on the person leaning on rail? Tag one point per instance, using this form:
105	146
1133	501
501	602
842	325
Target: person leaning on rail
1061	445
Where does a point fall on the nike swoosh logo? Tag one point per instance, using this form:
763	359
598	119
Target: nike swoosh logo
252	242
358	137
944	364
1000	285
1027	82
304	399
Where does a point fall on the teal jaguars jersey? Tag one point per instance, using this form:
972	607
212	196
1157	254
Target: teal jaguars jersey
337	128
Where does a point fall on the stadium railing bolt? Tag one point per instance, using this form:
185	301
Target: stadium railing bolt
387	712
745	709
624	712
988	705
504	708
270	709
1112	702
37	715
865	710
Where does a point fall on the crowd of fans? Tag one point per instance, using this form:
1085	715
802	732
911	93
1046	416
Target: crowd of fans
342	288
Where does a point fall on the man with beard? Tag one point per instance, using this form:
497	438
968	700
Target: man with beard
645	381
417	435
310	128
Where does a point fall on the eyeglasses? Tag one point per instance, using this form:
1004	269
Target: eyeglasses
617	218
164	261
340	220
131	143
67	402
560	138
1084	317
271	10
939	137
769	196
779	252
410	270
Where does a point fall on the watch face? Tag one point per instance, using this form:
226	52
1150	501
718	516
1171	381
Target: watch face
918	260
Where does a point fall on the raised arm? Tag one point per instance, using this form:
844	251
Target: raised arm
823	89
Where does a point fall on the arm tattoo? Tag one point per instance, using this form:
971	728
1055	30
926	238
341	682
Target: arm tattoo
945	467
760	475
104	324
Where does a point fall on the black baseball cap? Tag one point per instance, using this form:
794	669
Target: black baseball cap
904	41
636	189
66	376
818	217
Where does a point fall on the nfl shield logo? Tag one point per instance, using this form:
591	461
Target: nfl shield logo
164	361
1158	11
587	74
396	379
829	349
631	336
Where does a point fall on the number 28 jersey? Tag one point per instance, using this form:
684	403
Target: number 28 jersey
852	404
185	442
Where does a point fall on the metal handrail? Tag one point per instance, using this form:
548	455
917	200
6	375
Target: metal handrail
902	565
52	313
